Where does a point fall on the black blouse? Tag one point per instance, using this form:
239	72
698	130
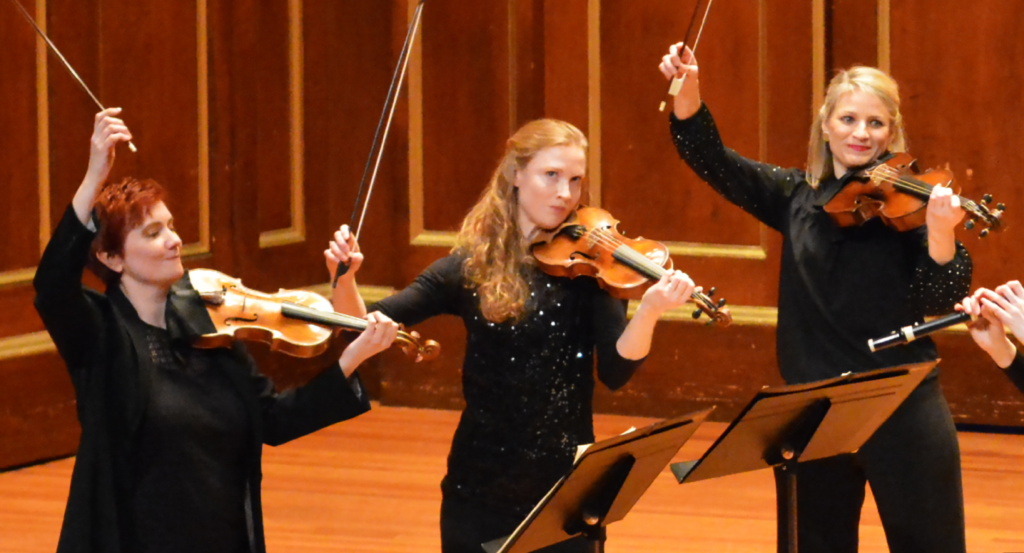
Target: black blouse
838	287
108	356
189	461
528	384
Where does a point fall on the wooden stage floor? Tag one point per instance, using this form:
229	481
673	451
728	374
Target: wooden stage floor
370	485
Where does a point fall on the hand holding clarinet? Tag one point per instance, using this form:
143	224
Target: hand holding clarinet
1002	308
988	313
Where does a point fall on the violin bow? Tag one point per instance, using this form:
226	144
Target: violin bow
63	60
380	138
677	82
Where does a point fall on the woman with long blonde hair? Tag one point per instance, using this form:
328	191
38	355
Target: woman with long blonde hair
531	338
841	286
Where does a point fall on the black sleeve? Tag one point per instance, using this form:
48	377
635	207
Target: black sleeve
71	315
327	399
608	322
434	292
935	289
1016	371
760	189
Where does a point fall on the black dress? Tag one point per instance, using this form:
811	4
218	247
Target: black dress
122	390
839	287
528	385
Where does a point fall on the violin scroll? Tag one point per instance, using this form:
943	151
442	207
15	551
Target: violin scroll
992	218
717	312
416	348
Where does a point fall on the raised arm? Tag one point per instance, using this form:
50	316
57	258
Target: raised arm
343	250
760	189
108	130
70	314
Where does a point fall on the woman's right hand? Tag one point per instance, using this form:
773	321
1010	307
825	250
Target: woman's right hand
108	130
343	250
678	62
1008	306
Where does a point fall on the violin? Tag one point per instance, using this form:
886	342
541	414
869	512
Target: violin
898	192
296	322
589	243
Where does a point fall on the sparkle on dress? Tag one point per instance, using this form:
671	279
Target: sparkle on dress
528	384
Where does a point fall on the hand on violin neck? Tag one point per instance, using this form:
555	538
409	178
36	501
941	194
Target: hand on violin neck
672	291
942	216
379	334
682	64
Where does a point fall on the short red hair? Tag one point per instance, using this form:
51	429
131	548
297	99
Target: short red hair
120	208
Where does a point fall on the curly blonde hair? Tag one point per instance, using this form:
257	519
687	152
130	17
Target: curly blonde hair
490	238
865	79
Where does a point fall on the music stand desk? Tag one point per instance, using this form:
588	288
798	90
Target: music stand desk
606	480
785	425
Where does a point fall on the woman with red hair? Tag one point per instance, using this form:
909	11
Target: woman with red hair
172	435
532	338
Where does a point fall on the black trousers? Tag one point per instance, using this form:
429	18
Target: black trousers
913	466
465	526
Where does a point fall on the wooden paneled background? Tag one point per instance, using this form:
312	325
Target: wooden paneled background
258	117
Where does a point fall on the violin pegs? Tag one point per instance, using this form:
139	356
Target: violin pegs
969	225
1001	207
986	199
970	173
721	303
696	313
983	233
711	292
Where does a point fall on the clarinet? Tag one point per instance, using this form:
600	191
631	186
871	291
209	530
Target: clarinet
908	334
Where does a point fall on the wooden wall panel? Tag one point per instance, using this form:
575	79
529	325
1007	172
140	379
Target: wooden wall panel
275	123
212	102
642	180
465	103
19	221
258	116
959	104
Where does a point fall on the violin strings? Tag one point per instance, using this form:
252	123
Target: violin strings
605	239
923	188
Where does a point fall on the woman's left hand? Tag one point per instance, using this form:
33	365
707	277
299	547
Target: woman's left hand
944	212
379	334
673	290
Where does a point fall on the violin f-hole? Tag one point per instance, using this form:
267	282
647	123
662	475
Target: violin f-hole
230	320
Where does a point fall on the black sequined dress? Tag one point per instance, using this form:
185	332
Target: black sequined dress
528	385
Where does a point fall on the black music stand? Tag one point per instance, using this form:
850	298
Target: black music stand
786	425
605	482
